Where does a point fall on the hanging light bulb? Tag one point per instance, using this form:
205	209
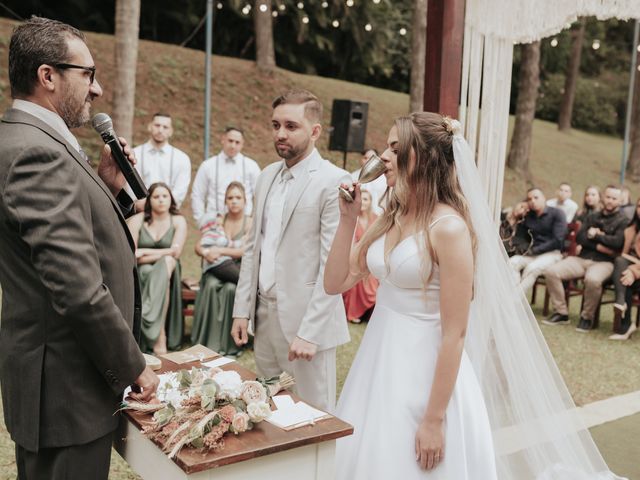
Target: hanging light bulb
349	3
281	7
368	27
638	48
403	31
274	14
300	5
335	24
246	9
263	7
554	42
596	44
219	6
376	1
325	4
305	20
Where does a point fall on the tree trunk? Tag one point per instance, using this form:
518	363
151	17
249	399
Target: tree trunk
573	70
124	93
263	25
633	164
418	55
528	84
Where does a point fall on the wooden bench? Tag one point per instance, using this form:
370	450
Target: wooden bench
190	287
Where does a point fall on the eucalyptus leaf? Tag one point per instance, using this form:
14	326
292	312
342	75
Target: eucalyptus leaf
198	442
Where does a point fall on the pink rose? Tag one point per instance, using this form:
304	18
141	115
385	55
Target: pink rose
253	392
240	423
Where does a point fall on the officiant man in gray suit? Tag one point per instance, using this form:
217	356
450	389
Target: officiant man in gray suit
67	269
280	295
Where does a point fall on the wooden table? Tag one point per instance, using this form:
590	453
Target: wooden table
306	453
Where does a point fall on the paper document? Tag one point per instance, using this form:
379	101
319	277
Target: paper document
218	362
290	415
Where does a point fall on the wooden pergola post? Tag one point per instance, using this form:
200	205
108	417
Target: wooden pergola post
443	66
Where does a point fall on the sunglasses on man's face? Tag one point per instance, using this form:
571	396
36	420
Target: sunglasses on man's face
65	66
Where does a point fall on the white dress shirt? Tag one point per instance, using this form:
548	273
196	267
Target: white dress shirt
375	188
165	164
49	117
569	207
214	176
272	221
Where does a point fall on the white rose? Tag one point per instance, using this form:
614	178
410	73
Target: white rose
230	384
258	411
253	392
240	423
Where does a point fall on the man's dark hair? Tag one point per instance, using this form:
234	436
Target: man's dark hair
613	186
231	128
535	188
312	106
161	114
38	41
369	150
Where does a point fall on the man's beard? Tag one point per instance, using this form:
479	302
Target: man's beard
72	111
292	151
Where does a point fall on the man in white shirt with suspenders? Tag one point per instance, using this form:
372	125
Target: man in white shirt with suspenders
158	161
217	172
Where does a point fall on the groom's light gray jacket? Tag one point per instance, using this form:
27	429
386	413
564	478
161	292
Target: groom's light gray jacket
309	223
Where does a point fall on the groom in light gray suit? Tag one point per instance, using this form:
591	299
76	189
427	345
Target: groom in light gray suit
280	296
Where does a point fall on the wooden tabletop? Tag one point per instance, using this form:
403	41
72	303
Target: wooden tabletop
264	439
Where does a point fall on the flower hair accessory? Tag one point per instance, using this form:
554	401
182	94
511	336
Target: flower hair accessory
452	126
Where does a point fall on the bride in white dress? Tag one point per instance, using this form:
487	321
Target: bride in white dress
453	379
412	394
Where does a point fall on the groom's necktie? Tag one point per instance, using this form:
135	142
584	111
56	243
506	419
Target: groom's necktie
277	200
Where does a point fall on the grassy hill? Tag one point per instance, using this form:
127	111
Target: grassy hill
171	79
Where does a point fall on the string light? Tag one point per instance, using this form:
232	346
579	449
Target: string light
596	44
554	42
263	7
246	9
349	3
368	27
335	24
325	4
281	7
219	5
376	1
300	5
274	14
305	20
403	31
638	48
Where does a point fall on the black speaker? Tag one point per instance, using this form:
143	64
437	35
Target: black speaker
348	125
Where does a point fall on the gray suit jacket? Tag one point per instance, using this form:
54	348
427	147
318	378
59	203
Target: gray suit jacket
69	289
309	223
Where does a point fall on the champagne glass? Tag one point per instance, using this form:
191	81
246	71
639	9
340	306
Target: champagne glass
369	172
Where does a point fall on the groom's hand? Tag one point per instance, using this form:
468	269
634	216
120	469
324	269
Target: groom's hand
302	349
239	331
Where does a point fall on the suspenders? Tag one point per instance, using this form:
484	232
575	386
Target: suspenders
217	176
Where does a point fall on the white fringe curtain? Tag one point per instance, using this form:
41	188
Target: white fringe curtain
492	27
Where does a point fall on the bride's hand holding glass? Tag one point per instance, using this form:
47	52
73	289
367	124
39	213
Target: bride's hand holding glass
351	209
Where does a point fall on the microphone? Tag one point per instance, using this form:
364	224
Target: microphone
104	126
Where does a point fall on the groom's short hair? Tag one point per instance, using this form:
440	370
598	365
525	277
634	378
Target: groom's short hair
312	106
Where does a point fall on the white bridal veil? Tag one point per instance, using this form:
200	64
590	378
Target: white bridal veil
537	431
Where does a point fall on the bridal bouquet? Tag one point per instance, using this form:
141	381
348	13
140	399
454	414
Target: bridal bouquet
198	407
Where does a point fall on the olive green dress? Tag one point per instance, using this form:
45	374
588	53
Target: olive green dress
154	283
213	315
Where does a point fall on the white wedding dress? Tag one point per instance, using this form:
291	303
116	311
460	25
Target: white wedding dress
387	389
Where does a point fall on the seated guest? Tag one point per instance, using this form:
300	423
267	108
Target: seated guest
625	273
548	229
591	203
159	234
563	201
221	247
626	207
516	241
361	298
599	238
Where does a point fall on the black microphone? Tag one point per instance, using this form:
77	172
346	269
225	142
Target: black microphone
104	126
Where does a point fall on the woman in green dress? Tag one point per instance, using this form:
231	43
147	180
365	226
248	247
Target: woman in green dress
221	247
159	234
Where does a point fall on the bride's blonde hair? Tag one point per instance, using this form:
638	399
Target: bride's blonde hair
433	180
